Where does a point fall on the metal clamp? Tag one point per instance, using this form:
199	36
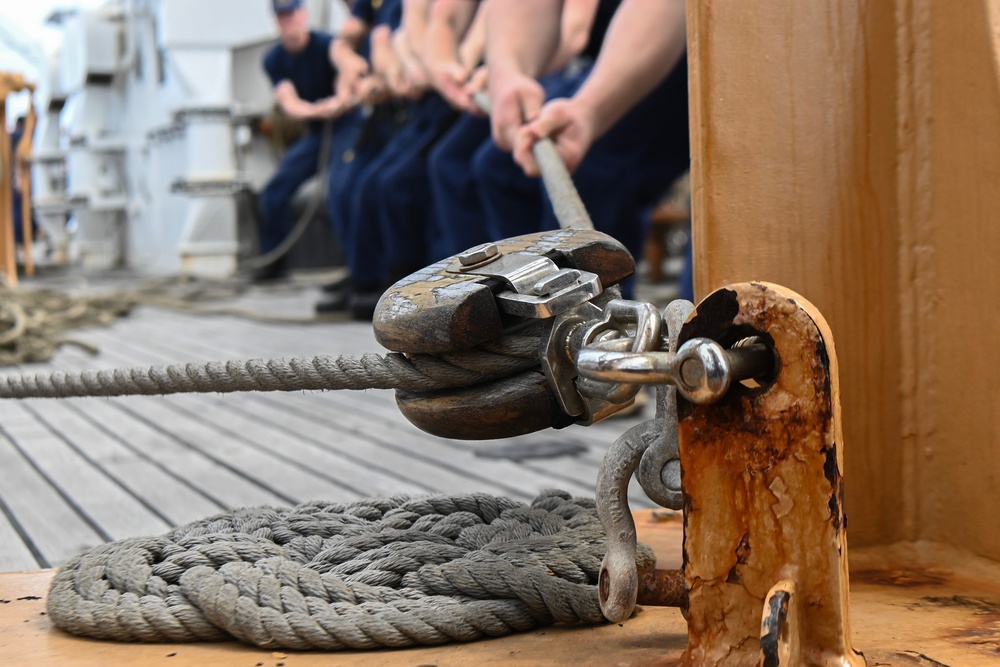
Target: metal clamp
539	288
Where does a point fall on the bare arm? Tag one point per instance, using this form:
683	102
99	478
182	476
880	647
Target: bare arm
644	43
385	66
523	36
299	109
416	80
447	22
521	39
408	42
415	20
472	50
574	32
350	66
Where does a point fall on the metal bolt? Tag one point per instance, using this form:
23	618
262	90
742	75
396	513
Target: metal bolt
479	254
670	475
556	281
692	372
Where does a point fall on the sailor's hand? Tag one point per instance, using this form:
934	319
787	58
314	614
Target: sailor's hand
449	78
372	90
351	71
396	81
515	99
567	123
332	107
407	81
476	85
417	79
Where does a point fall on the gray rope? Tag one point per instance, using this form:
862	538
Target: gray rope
566	202
419	372
379	572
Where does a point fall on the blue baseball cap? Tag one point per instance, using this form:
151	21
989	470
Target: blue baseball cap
285	6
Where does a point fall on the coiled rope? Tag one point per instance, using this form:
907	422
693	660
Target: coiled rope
382	572
33	323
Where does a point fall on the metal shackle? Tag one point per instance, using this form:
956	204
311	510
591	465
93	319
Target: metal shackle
702	370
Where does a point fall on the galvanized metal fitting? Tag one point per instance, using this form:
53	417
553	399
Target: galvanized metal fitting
702	370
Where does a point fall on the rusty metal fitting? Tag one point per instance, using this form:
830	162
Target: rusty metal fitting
662	588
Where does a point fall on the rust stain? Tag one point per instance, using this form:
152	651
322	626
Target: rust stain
983	628
904	577
739	459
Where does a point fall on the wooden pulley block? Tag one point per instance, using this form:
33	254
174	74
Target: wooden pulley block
451	305
514	406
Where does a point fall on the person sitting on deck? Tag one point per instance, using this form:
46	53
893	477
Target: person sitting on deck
391	216
623	127
480	192
301	70
357	52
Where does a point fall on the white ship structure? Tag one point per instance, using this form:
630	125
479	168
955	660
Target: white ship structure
148	132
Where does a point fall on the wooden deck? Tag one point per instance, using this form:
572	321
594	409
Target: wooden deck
78	472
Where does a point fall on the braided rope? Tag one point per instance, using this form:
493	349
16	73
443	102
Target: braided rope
380	572
419	372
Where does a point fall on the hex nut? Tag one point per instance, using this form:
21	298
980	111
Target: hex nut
479	254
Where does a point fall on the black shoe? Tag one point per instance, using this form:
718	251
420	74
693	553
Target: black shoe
276	270
341	284
338	302
363	305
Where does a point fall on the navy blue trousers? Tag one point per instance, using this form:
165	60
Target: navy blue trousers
298	165
407	216
389	209
342	154
461	218
362	146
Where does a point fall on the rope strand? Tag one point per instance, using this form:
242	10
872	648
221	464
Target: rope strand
420	372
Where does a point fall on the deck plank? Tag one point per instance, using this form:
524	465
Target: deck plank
53	528
577	473
291	479
219	484
432	460
89	487
348	444
213	477
165	494
15	556
392	425
361	476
